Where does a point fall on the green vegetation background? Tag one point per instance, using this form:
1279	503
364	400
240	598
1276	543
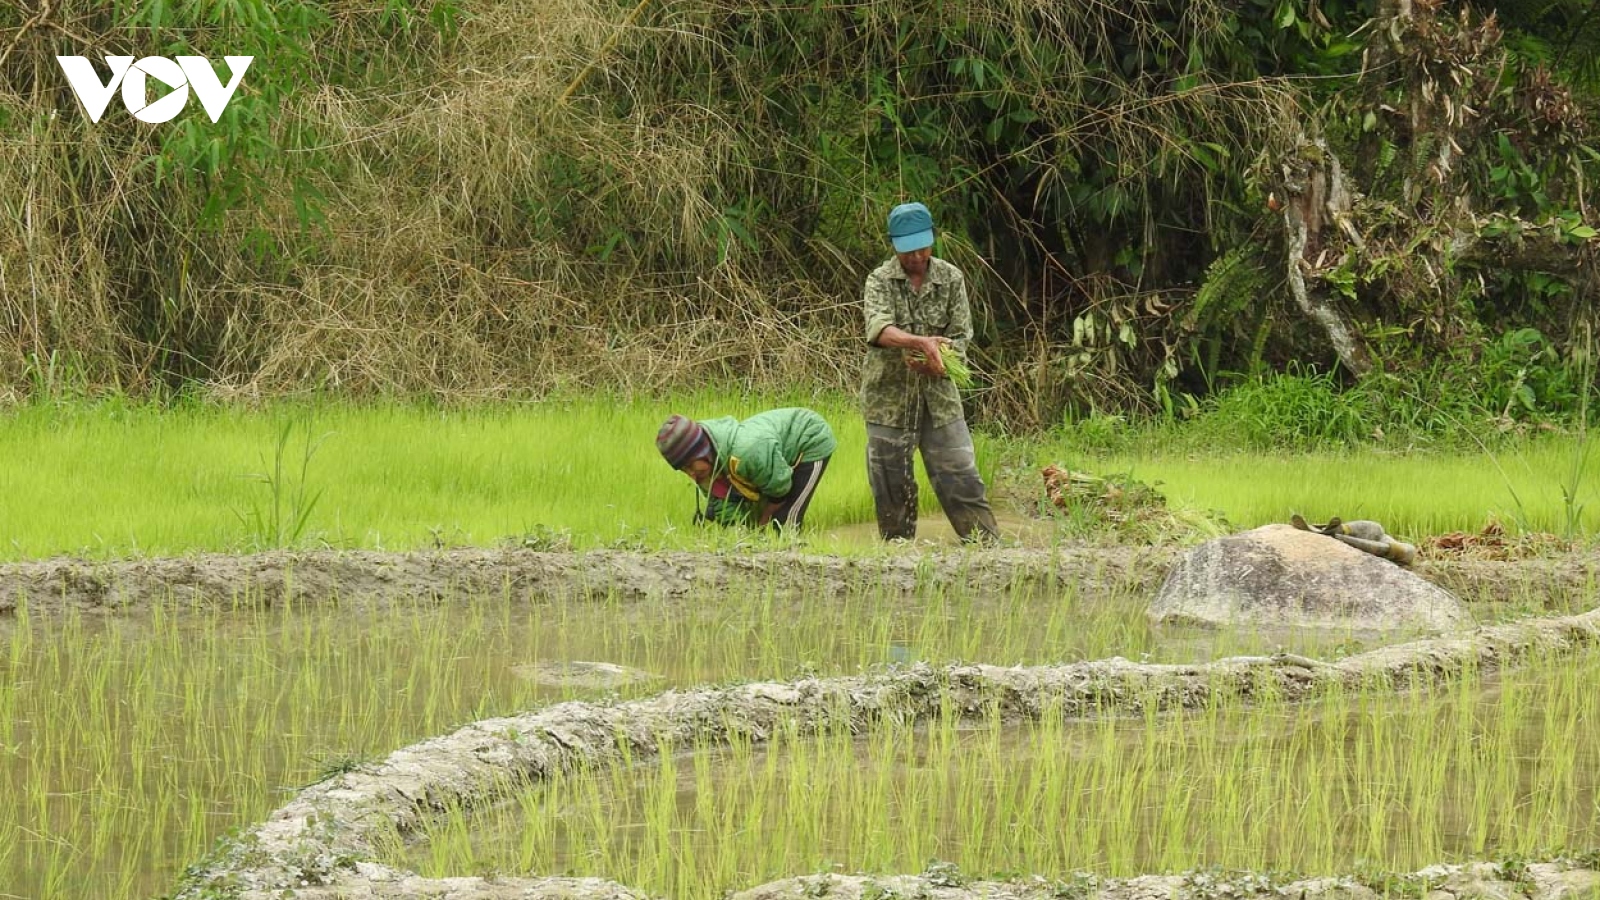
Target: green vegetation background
525	199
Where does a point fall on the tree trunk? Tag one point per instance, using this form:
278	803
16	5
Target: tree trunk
1317	196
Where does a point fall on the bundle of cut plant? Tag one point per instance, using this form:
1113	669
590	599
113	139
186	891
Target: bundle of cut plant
1121	505
955	368
1494	543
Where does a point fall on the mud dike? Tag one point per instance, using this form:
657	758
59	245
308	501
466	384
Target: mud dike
322	845
370	577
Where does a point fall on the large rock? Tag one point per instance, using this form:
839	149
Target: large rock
1279	576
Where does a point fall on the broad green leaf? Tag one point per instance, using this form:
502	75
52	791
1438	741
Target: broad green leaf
1285	17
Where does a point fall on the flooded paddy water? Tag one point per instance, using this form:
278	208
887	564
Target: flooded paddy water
132	738
1497	767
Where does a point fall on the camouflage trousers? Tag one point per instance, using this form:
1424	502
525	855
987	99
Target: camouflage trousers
952	469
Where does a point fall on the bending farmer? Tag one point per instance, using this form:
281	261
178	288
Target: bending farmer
758	471
916	304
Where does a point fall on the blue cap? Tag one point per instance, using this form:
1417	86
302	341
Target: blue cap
910	227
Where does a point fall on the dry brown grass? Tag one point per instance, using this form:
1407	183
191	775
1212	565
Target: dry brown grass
432	274
528	209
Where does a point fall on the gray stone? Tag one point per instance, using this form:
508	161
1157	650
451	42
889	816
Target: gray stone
1278	576
1557	882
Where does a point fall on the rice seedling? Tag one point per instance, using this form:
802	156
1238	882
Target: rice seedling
955	367
1362	778
1412	493
118	479
128	744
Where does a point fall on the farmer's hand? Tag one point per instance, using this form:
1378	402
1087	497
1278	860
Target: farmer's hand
931	361
768	507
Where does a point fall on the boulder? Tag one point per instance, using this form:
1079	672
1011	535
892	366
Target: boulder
1278	576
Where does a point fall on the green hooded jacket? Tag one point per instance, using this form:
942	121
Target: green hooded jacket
759	454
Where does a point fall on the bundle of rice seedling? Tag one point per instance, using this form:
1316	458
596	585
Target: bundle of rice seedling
955	366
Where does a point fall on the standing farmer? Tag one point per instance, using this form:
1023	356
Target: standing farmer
764	468
915	304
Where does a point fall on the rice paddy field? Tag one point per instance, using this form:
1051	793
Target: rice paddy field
1360	781
114	479
131	740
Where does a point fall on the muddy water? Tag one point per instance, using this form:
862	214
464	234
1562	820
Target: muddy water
1385	783
935	531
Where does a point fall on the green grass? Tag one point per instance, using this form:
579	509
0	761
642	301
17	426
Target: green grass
117	479
1413	494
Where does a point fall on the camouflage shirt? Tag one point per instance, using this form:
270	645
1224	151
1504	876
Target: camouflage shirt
891	393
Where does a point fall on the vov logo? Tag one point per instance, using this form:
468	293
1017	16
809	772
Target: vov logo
180	76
